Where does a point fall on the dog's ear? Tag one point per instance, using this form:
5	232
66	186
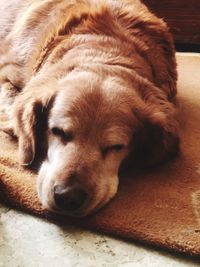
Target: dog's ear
157	138
31	115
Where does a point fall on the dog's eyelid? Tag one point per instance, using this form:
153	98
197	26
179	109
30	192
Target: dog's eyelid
116	148
66	136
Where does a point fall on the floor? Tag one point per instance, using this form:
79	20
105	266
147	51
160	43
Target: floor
27	241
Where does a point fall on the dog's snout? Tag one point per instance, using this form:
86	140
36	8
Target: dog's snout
69	198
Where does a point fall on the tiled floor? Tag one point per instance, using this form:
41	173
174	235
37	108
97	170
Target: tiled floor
26	241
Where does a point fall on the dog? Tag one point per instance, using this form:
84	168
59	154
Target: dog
95	80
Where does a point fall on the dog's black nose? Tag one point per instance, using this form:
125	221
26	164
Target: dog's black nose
69	198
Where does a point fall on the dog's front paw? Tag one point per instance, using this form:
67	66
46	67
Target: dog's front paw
7	128
8	93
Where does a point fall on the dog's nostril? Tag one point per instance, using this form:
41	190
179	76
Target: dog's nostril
69	198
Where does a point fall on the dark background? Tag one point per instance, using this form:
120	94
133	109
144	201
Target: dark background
183	18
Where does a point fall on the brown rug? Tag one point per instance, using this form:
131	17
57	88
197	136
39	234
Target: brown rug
159	207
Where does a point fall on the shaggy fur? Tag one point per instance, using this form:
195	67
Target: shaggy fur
103	74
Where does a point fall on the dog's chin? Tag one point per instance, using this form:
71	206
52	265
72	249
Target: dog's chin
90	210
91	207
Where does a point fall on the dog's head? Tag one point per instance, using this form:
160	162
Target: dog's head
89	133
93	124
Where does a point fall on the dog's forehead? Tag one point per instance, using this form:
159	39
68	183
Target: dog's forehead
89	97
96	108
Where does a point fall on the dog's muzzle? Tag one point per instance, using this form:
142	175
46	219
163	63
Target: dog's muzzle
71	198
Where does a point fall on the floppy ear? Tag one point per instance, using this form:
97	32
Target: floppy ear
157	138
30	125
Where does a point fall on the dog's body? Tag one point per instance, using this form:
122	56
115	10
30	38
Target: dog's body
104	73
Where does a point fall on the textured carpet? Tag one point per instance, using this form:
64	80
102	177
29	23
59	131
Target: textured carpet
159	207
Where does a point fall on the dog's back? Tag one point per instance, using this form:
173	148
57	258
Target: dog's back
31	25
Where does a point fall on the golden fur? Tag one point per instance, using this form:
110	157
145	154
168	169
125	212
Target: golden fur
104	74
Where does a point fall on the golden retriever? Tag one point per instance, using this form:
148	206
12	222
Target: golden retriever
98	77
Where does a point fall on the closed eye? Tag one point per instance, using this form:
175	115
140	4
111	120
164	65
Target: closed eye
113	148
65	136
117	147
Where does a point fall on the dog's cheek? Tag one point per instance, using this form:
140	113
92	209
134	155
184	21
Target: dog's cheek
111	172
40	179
113	187
44	185
54	151
114	162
